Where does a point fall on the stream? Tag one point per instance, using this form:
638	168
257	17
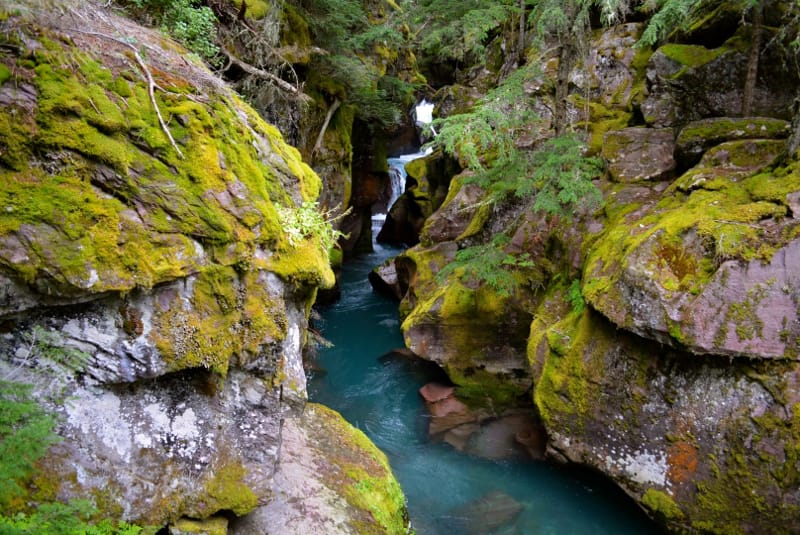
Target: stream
448	492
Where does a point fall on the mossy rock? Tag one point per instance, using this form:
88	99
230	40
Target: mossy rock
331	479
209	526
694	247
96	198
698	136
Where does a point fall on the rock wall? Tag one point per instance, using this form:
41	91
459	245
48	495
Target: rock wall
663	330
149	289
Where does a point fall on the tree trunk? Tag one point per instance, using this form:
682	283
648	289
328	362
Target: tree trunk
794	138
521	42
752	62
566	57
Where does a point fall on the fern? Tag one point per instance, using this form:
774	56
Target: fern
487	264
483	138
669	15
307	221
26	432
562	177
455	30
188	21
575	297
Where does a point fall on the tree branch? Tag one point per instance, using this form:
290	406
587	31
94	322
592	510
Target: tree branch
328	117
148	78
255	71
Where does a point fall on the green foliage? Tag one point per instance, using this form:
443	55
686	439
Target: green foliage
669	15
26	432
336	24
64	519
556	173
188	21
570	19
575	297
348	71
562	177
483	138
307	221
487	263
454	30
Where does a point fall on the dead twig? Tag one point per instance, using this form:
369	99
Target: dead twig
148	78
255	71
328	117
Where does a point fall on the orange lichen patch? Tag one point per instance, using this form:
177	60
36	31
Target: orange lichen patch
682	462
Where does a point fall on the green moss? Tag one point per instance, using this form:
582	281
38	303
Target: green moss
256	9
209	526
714	131
602	119
5	73
361	472
307	264
566	387
231	314
723	213
227	490
690	56
126	209
661	505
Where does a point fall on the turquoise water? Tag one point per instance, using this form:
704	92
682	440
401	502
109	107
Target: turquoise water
378	394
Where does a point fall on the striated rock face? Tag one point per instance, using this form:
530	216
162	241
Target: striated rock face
149	289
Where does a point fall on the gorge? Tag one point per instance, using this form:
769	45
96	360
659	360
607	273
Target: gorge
600	241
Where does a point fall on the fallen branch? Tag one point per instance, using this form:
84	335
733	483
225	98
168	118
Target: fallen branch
148	78
255	71
328	117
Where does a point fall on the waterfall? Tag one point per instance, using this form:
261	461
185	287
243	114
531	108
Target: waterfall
423	113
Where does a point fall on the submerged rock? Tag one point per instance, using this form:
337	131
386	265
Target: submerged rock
484	515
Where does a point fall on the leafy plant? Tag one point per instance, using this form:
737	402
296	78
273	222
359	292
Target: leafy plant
484	137
307	221
26	432
487	263
188	21
562	177
575	297
454	30
556	173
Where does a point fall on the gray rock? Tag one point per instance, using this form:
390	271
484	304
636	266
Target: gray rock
638	154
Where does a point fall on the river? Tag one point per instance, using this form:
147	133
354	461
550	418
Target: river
379	394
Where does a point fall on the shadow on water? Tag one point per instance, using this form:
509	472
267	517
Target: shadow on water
376	389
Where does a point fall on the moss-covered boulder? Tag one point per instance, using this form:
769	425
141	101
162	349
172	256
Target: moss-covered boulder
687	82
634	154
705	446
697	137
155	282
331	480
708	266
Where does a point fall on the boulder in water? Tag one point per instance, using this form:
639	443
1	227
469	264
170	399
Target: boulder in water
485	514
